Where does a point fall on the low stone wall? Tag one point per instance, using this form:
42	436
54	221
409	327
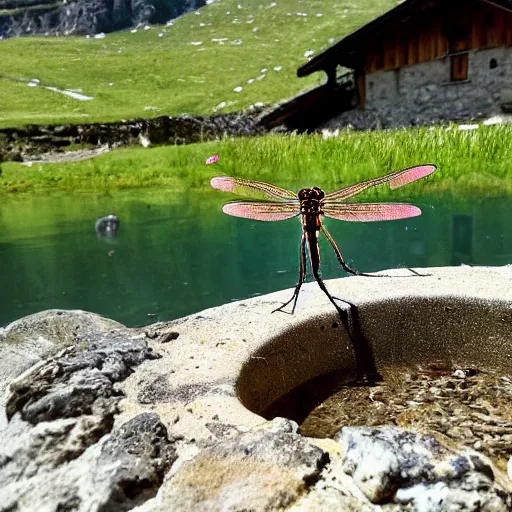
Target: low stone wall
36	139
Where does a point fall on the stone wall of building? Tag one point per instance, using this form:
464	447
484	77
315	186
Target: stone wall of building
423	93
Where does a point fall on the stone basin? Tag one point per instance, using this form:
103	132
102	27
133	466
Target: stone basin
457	317
240	363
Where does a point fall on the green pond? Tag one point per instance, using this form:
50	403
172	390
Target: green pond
177	254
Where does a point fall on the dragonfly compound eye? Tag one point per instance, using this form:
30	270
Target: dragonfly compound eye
318	193
304	193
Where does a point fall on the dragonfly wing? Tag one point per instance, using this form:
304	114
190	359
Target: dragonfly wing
368	212
395	179
247	187
266	211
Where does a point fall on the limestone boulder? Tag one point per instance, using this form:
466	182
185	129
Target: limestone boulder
390	464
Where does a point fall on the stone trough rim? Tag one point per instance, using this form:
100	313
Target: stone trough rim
219	342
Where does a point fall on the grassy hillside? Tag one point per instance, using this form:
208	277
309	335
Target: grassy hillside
191	67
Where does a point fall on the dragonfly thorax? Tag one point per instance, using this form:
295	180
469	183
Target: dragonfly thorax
311	200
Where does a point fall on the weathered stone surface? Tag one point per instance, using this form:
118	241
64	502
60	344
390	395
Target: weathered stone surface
142	454
59	451
86	16
59	465
391	464
79	380
104	425
49	445
161	390
266	469
330	498
25	342
423	94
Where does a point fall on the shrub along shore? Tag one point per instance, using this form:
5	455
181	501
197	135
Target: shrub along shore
473	161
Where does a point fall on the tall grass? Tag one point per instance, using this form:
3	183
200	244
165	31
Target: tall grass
475	162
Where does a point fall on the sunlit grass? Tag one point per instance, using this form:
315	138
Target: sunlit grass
477	162
141	74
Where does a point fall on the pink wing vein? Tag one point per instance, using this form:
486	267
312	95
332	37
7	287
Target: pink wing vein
241	186
261	211
369	212
395	179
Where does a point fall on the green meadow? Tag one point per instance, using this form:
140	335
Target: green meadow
194	66
475	162
190	67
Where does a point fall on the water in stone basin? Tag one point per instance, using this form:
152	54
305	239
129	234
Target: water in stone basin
468	406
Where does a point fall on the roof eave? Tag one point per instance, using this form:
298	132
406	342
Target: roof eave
327	60
318	63
328	57
315	64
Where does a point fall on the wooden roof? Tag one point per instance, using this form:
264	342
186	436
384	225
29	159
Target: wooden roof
348	51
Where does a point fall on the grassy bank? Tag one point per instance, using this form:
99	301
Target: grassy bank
470	162
193	67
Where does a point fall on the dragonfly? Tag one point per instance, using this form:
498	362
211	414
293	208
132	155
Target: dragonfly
311	204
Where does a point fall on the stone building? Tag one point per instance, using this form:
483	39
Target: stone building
421	62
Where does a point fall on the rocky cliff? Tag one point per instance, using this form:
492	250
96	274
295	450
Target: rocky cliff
81	17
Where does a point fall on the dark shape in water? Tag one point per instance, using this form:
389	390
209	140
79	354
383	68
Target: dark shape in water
107	226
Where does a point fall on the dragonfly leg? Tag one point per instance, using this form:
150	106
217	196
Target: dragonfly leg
302	276
353	270
324	289
366	370
417	274
345	267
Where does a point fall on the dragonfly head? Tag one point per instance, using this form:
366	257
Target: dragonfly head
311	193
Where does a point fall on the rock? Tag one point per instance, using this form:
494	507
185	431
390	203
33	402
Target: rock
160	130
106	425
266	469
390	464
61	465
59	449
31	452
82	17
79	380
25	342
142	454
144	141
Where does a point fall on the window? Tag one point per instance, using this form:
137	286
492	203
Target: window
459	67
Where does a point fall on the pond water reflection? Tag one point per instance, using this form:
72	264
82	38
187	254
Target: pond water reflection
178	254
